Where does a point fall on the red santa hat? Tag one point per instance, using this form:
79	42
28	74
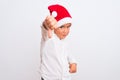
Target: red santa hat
60	13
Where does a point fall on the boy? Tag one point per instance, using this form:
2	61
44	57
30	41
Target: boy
56	62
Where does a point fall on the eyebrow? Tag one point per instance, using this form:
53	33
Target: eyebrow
64	26
61	26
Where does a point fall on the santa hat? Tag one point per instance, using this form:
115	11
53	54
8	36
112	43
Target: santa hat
60	13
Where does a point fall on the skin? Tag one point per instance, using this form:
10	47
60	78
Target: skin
73	68
63	30
50	24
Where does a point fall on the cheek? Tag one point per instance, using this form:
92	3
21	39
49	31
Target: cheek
58	32
68	31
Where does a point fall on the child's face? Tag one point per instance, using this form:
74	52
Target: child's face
63	30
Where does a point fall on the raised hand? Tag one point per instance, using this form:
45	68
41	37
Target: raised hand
50	23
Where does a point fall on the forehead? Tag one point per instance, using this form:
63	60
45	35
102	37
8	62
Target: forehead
66	25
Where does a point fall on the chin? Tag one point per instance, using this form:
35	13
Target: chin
63	37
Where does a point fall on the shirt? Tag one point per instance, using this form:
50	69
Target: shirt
55	58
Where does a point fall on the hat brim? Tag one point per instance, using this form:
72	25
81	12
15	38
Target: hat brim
64	21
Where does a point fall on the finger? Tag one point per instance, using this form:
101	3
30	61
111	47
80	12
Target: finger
47	17
49	25
45	24
55	26
50	18
49	22
52	25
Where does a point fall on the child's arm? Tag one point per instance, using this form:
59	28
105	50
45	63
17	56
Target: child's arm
72	63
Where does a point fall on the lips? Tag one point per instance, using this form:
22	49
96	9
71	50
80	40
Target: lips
64	35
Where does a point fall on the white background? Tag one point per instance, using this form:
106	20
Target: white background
94	38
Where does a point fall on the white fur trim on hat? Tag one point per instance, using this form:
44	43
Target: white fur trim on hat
64	21
54	13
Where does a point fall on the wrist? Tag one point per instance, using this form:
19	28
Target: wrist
44	26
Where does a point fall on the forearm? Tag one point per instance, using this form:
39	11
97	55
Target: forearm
44	33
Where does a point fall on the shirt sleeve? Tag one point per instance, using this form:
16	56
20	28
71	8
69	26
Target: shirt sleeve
71	59
71	56
44	33
43	40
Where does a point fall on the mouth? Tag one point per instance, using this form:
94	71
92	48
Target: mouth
64	35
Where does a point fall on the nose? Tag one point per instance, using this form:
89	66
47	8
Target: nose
65	30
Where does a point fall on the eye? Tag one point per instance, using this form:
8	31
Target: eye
68	26
62	26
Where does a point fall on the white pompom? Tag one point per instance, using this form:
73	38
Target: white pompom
54	14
